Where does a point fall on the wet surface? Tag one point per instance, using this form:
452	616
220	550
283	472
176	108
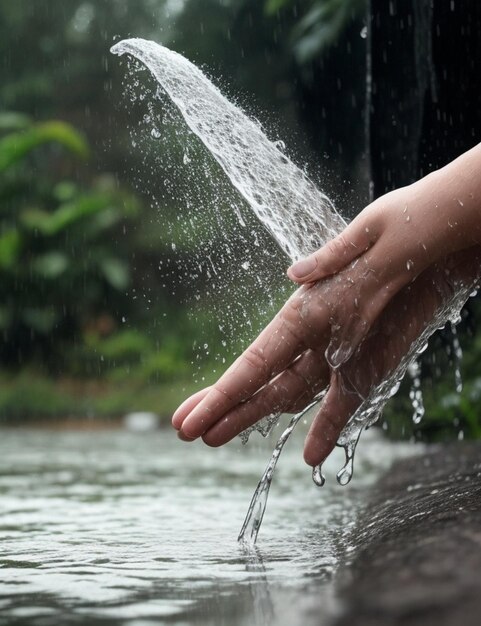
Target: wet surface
139	529
417	557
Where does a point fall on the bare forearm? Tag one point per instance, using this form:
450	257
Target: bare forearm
450	199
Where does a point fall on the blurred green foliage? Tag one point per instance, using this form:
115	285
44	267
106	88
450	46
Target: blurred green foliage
61	259
93	312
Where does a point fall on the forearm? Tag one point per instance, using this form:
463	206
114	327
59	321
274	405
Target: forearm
450	199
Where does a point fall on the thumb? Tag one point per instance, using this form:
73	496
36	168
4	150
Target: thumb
336	254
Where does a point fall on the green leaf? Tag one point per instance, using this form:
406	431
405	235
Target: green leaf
66	215
50	265
15	146
116	272
10	244
125	345
65	191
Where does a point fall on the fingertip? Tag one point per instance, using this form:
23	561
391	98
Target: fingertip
221	432
303	270
316	451
211	440
187	407
183	437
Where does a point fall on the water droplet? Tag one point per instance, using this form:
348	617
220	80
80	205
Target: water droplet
344	476
346	472
363	32
317	476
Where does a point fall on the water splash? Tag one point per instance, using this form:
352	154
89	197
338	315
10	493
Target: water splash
257	507
299	216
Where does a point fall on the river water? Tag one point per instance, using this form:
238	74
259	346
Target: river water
117	527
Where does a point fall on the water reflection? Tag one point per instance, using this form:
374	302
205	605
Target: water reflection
134	528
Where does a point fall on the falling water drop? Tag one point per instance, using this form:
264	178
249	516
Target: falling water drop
346	472
318	476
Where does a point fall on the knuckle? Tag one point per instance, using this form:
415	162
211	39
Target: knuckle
336	246
254	357
224	392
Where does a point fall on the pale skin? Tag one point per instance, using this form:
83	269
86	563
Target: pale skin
364	298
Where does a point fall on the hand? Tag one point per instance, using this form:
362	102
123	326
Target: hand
391	242
317	337
285	366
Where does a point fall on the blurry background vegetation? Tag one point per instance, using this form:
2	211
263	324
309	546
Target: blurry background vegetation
96	316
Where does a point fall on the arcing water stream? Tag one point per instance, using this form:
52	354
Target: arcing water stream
299	216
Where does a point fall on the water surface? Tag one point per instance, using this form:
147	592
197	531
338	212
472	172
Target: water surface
140	529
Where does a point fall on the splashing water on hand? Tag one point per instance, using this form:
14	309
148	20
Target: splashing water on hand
299	216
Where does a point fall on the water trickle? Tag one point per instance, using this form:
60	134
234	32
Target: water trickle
347	471
299	216
257	507
457	356
416	394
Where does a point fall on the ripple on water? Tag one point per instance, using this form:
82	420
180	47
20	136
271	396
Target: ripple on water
128	527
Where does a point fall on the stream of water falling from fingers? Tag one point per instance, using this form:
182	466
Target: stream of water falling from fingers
298	215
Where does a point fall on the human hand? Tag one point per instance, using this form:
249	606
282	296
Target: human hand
394	240
376	287
285	367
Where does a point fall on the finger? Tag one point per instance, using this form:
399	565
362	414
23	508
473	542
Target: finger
183	437
336	409
186	407
290	392
274	350
355	239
